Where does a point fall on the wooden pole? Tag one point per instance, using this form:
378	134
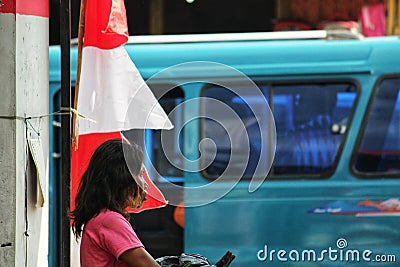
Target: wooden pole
396	30
156	16
390	16
81	31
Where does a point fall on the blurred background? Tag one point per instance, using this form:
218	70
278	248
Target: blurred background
211	16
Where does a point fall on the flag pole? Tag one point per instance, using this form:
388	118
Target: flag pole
81	31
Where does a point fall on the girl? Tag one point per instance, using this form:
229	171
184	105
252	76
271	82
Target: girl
106	189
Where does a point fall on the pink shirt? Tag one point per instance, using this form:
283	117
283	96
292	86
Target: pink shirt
105	237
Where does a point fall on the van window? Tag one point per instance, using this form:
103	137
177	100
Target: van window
310	121
166	153
379	147
231	123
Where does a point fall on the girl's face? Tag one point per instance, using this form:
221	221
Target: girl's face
136	199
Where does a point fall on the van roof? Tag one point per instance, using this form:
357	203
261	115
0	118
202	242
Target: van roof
270	54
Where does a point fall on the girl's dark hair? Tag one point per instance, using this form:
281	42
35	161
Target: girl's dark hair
108	182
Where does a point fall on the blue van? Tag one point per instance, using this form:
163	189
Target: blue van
285	151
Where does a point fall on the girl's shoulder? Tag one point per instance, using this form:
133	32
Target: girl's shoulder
108	217
109	213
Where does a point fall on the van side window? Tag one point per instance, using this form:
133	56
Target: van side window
165	153
379	147
231	123
310	121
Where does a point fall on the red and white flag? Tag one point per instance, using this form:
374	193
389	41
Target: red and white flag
112	93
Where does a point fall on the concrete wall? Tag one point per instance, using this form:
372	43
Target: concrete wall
23	94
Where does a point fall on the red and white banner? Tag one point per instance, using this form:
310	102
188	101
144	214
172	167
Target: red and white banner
111	85
110	82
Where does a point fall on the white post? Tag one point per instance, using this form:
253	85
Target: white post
24	102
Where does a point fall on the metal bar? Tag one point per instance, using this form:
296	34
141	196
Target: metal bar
64	183
250	36
232	37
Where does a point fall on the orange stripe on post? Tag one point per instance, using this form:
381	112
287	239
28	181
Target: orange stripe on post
38	8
